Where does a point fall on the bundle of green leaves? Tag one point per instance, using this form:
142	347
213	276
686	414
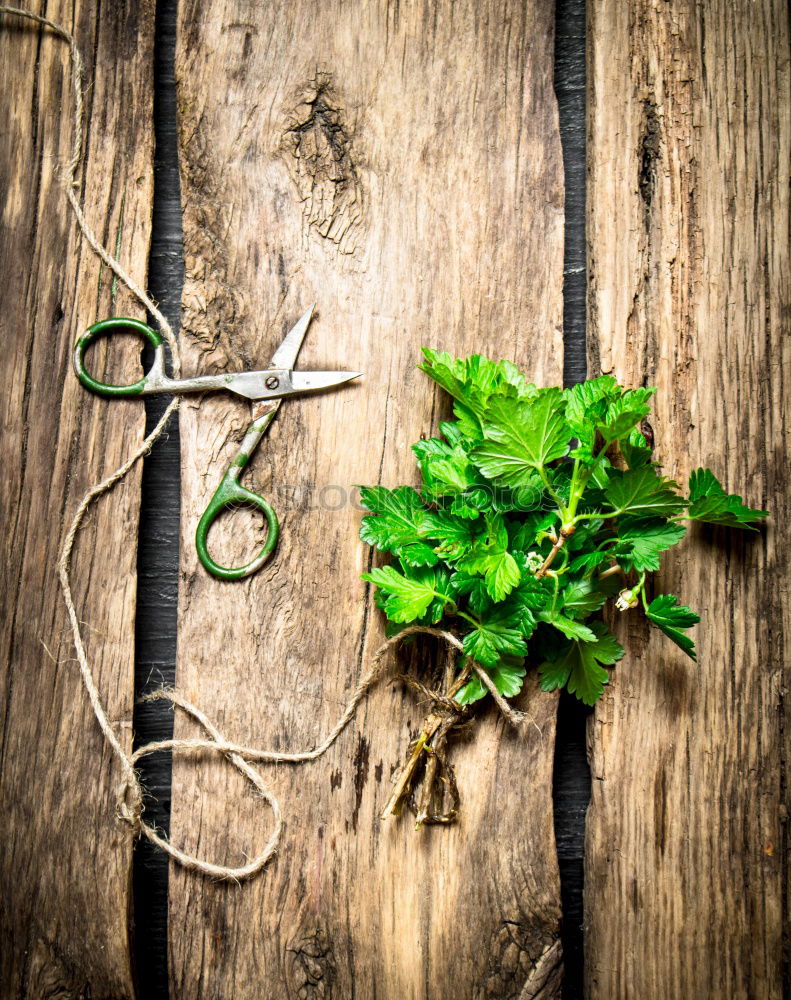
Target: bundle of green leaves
537	506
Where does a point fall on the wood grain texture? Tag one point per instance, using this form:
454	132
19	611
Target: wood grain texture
690	291
400	165
65	863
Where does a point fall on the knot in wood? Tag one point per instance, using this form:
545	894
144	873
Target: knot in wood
317	147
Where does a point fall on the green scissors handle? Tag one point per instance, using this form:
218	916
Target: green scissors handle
110	326
228	494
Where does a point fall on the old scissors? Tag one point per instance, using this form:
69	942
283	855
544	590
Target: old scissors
265	389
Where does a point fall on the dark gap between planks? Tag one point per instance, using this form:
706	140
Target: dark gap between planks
158	556
158	544
571	778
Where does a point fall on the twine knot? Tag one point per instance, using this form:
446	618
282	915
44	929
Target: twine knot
129	802
441	704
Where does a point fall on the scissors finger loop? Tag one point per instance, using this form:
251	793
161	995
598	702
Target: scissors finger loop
118	325
229	494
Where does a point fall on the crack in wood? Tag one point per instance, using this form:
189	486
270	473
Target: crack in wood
650	144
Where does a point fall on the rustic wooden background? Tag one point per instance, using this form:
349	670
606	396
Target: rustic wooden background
66	861
690	290
416	196
436	211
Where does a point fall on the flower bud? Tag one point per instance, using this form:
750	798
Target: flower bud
625	600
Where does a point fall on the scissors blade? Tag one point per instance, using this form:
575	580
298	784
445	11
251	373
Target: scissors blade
277	383
318	381
286	355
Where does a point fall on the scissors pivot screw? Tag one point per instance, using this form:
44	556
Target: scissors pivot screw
272	382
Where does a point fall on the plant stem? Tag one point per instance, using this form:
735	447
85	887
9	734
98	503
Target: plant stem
549	488
434	750
564	534
568	514
468	618
427	792
403	782
598	516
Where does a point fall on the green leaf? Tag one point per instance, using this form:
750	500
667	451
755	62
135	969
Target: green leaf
432	447
450	431
520	609
503	577
600	472
453	533
522	436
472	381
508	679
587	402
417	554
474	588
446	470
588	560
584	596
531	596
524	535
635	450
492	559
405	597
580	665
673	618
444	593
710	503
642	493
498	567
528	496
493	638
472	691
569	628
600	406
587	536
703	483
560	478
395	523
468	423
471	503
467	380
624	413
641	543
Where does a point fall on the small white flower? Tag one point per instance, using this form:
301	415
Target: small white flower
626	599
534	561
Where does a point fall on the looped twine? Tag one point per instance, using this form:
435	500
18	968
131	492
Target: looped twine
130	804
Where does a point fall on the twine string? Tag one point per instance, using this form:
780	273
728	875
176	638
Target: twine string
130	792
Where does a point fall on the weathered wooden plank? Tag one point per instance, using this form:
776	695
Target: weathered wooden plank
690	288
65	863
399	165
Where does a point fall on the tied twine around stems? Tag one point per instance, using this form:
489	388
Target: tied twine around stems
130	793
